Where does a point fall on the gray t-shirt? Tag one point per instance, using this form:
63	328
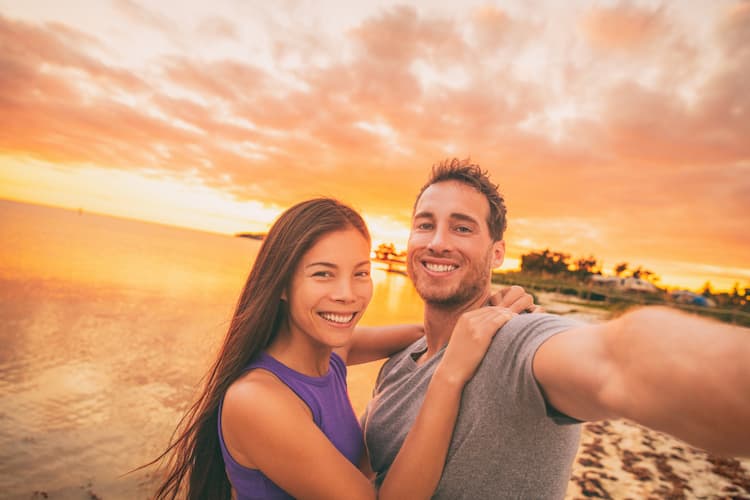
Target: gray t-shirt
506	443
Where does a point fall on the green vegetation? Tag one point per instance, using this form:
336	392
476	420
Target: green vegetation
582	280
548	262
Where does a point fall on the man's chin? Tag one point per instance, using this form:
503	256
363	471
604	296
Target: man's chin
441	300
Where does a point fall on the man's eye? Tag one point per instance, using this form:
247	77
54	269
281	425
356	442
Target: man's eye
424	226
463	229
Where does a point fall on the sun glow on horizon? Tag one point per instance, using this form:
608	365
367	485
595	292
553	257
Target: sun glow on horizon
195	206
133	195
218	125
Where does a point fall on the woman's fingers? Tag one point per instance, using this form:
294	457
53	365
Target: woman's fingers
471	338
514	298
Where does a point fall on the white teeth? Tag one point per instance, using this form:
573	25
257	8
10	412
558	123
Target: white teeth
337	318
440	268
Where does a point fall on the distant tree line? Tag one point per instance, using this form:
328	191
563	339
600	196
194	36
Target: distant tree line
738	297
558	263
549	263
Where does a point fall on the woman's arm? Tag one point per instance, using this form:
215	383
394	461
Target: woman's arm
370	343
416	471
280	438
266	426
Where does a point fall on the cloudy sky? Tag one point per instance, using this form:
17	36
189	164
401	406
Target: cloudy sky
618	129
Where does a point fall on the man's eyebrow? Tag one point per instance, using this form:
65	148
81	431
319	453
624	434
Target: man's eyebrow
464	217
455	215
424	214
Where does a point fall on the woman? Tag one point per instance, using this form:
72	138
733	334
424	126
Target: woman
274	419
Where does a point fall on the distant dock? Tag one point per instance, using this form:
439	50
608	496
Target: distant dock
252	236
392	265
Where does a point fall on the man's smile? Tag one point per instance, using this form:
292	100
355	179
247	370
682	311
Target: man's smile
439	268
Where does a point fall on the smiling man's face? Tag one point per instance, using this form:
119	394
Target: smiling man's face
451	253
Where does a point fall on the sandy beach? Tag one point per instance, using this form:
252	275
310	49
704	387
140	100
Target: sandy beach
620	459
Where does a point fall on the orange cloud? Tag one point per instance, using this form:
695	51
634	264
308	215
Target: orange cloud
648	148
146	17
218	28
623	26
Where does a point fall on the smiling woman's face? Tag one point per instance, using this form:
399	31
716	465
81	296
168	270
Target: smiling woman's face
331	288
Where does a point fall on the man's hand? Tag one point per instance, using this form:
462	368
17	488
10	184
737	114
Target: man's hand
516	299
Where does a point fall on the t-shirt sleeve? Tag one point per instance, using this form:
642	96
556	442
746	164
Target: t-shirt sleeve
363	417
385	369
517	343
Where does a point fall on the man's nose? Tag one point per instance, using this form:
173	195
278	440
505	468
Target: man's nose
439	241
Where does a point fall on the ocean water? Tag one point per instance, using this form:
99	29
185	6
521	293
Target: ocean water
106	327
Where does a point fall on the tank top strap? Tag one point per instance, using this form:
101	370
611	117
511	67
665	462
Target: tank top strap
304	386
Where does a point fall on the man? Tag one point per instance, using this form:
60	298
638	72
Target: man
518	427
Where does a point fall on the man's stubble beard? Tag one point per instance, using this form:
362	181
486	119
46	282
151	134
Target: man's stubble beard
468	289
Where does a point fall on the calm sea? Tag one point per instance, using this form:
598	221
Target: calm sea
107	326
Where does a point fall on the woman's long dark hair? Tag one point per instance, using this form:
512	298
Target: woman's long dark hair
193	460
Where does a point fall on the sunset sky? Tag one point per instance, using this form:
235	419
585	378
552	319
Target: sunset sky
618	129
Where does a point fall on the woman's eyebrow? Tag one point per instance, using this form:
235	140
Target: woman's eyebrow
322	263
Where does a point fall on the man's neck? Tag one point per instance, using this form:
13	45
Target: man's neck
440	321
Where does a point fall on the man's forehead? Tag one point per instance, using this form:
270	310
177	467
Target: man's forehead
453	198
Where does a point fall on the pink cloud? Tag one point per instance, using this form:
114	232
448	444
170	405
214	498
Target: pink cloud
367	127
146	17
623	26
218	28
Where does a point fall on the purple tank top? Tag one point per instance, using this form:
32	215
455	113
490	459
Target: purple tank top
332	412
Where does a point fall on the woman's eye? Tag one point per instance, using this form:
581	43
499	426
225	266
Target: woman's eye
363	274
322	274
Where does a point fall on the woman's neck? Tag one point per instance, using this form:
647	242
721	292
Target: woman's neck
300	353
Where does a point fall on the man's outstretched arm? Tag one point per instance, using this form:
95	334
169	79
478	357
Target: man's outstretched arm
667	370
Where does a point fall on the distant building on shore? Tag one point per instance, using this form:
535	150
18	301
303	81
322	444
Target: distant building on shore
625	284
691	298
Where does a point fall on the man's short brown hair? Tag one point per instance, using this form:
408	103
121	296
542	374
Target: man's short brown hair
472	175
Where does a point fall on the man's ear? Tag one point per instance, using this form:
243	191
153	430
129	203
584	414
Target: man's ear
498	254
